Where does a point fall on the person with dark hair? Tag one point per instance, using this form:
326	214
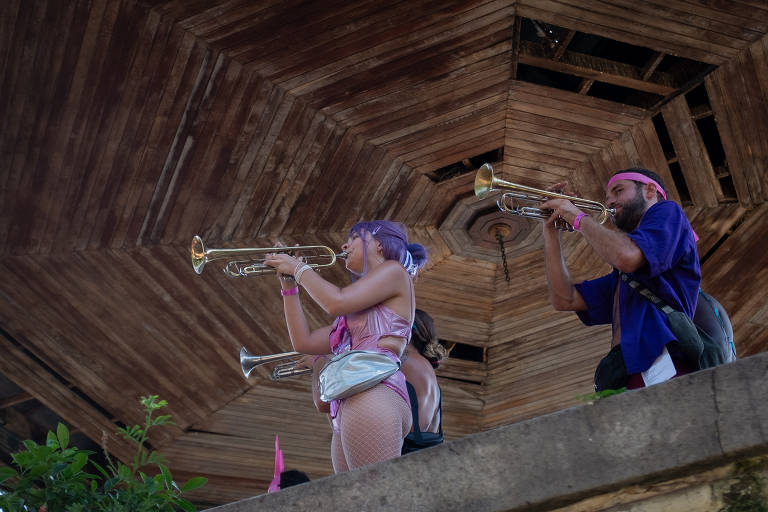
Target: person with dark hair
284	478
291	477
422	356
655	246
374	314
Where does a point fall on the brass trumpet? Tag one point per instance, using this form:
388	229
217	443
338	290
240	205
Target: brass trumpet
244	262
290	369
486	182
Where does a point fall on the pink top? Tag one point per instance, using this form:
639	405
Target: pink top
362	331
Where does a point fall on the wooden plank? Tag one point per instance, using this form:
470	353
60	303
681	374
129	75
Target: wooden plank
692	155
621	24
652	156
489	70
173	60
595	68
597	107
416	39
25	371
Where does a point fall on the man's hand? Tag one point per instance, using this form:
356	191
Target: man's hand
561	208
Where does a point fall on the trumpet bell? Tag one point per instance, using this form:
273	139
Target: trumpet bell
197	251
248	361
484	181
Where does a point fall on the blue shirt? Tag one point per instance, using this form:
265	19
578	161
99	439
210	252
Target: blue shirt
672	272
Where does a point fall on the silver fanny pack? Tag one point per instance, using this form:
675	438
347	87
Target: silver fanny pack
354	371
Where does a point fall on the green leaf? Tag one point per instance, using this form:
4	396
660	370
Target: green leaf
194	483
62	433
6	473
166	476
51	440
156	458
57	468
80	460
124	472
161	420
100	469
37	470
185	505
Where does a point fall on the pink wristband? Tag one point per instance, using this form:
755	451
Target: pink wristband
289	291
577	220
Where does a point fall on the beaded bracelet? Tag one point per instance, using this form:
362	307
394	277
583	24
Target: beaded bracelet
289	291
297	275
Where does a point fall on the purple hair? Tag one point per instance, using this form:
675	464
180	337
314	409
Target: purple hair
394	244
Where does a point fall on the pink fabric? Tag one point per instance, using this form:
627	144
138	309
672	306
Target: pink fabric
279	468
339	338
636	176
362	331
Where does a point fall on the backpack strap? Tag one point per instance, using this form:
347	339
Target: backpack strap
414	409
648	294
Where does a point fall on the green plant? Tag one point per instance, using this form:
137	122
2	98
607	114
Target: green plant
597	395
747	493
53	475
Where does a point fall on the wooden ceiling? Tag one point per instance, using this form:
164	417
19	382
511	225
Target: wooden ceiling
128	126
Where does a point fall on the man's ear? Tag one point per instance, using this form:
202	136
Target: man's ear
650	191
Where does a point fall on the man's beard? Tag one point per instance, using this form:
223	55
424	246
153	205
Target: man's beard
631	213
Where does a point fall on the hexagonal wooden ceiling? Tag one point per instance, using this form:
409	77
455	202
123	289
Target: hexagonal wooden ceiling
128	126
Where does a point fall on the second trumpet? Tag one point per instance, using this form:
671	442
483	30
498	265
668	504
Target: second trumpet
486	182
249	261
290	369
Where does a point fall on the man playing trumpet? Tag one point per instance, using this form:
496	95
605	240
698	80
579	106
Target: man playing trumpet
655	246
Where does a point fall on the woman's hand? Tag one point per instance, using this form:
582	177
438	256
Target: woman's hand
285	265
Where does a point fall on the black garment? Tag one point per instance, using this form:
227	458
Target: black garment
417	439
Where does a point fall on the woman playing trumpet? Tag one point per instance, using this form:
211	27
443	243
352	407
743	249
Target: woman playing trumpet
374	313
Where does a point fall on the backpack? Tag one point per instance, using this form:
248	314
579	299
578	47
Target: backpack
707	339
710	316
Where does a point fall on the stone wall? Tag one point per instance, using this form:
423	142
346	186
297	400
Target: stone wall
675	446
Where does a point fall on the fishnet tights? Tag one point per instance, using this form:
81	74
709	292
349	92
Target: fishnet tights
372	425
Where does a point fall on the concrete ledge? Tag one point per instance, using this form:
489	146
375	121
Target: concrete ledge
685	426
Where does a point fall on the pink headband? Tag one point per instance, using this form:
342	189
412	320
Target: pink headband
636	176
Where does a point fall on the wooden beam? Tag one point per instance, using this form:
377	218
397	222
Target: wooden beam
652	64
28	373
596	68
585	85
515	46
691	153
563	46
15	399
